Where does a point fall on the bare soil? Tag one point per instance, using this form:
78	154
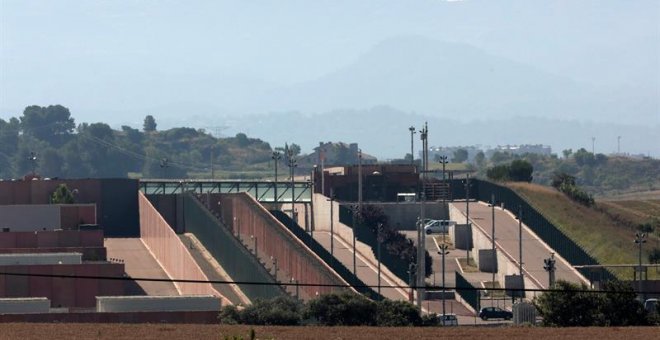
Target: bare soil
167	331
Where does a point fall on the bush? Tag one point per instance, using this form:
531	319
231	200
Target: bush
397	313
342	309
283	311
570	305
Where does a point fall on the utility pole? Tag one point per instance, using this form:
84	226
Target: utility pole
618	145
412	155
276	159
412	270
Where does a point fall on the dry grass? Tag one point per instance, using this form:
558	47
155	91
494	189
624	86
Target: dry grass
166	331
608	241
468	268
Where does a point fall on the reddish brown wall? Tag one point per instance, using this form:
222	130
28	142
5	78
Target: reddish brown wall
52	239
171	253
73	215
277	241
63	292
126	317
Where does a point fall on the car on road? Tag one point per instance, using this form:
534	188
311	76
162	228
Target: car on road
448	319
438	226
495	313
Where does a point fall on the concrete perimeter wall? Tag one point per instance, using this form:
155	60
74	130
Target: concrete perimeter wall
170	252
274	239
123	317
63	291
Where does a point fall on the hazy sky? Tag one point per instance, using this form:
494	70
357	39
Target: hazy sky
112	57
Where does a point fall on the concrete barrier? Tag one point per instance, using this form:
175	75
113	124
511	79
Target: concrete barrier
24	305
40	258
157	303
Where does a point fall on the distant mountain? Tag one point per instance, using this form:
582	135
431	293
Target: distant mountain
458	81
383	131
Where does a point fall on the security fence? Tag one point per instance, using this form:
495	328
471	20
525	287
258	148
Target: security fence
323	253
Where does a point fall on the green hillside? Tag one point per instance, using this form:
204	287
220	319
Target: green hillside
606	239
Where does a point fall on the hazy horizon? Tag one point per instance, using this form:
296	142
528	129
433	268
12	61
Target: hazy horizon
207	63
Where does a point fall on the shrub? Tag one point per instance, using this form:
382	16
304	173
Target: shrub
342	309
282	311
397	313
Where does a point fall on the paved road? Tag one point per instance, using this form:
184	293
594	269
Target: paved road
139	262
365	271
507	240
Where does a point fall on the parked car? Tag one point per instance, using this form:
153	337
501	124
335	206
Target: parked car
448	320
495	313
438	226
651	305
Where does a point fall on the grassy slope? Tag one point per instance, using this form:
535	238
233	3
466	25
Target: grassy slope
609	242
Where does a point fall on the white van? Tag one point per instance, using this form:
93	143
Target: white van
448	320
438	226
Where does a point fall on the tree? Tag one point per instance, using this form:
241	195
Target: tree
149	124
480	159
52	124
295	149
568	306
460	156
521	171
498	173
567	153
62	195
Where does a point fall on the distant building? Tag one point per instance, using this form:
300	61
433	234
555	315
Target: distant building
336	154
520	150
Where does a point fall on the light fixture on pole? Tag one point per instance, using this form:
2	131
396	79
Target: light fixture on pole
292	163
549	266
412	155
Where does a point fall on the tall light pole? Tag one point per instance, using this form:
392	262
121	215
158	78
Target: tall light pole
467	218
164	164
492	203
640	238
360	178
443	251
412	155
33	159
276	159
618	145
549	266
520	261
593	145
412	271
421	245
292	165
332	224
322	152
356	210
379	239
